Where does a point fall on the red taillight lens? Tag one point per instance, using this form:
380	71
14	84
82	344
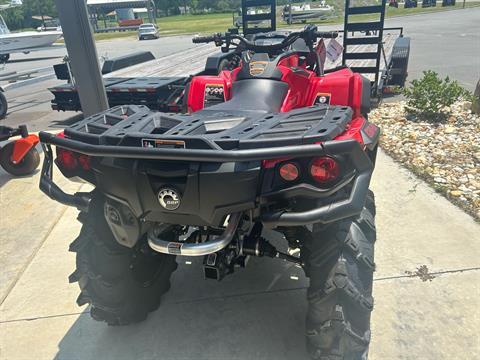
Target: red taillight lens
84	162
71	160
270	164
324	169
67	159
289	172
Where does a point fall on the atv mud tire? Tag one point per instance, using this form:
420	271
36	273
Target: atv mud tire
122	285
25	167
339	262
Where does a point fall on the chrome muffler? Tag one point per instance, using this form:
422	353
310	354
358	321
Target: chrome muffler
189	249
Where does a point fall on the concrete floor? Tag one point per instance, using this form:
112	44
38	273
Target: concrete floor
258	313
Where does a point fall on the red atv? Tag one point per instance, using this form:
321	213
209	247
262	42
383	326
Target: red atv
271	143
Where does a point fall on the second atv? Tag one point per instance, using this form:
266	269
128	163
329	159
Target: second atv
273	142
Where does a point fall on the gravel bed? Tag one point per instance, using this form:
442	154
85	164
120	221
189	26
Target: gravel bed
446	155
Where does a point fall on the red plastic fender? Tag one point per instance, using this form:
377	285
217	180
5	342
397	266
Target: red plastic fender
22	146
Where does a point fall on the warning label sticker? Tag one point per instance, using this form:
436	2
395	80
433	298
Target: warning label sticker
164	144
214	94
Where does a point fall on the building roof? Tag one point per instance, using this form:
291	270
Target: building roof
117	4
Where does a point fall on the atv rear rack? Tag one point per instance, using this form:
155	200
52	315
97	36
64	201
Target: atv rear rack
324	214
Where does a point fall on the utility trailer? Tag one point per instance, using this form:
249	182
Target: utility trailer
157	83
381	54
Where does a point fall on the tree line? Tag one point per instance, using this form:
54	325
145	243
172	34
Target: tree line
21	17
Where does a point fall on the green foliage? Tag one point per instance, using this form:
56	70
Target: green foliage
431	96
21	17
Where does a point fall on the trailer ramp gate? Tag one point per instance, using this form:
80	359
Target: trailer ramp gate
372	34
255	23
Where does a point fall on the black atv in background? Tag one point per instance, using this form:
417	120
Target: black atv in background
273	142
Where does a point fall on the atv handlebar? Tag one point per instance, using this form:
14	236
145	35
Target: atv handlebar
326	34
309	34
206	39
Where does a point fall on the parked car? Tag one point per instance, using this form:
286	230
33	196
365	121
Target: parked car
148	31
410	4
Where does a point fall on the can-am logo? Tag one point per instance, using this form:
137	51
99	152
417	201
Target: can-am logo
257	68
169	199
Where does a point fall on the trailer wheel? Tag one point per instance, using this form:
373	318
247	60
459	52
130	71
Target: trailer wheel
25	167
339	261
122	285
3	106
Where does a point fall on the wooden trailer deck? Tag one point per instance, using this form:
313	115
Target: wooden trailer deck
192	61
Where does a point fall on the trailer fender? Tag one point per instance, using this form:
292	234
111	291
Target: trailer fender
399	61
124	61
22	147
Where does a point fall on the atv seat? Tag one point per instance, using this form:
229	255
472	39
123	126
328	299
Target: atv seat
254	95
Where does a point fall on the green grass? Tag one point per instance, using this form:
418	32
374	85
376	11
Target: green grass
189	24
211	23
114	35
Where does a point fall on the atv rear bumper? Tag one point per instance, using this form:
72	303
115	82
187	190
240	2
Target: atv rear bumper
351	206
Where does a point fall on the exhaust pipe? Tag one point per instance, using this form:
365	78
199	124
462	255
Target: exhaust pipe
187	249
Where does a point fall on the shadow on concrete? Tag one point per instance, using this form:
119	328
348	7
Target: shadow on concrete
255	313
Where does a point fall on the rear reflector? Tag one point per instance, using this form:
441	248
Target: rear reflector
324	169
84	162
67	159
70	160
289	172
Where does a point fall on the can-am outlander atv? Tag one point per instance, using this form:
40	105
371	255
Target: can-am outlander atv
271	142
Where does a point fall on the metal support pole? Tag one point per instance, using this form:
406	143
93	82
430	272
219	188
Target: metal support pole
290	13
83	55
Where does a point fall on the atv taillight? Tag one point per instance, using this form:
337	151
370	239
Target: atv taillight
71	160
67	159
289	172
84	161
324	169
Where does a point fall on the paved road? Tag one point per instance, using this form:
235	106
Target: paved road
446	42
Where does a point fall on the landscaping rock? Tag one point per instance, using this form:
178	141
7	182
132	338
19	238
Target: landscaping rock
476	99
446	155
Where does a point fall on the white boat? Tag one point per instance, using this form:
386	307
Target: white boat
24	41
305	11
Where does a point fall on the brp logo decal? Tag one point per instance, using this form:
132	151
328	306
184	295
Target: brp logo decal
169	199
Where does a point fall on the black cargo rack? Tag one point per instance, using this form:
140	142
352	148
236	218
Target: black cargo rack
137	126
